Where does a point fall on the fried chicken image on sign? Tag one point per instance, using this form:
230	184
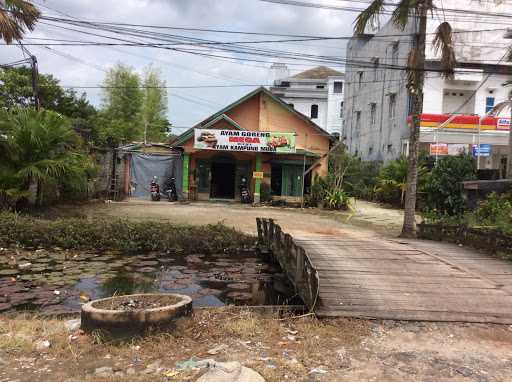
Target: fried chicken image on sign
276	142
208	138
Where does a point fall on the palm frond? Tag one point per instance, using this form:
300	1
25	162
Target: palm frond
443	42
403	10
369	17
16	17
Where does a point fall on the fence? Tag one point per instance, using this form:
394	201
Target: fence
489	239
293	260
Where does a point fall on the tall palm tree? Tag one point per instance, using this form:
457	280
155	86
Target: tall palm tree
16	16
405	12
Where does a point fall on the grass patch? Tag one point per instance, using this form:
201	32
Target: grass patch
119	234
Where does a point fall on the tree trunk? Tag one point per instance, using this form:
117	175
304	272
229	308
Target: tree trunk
509	156
416	89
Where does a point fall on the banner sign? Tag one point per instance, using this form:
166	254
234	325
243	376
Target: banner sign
257	174
503	124
438	149
241	140
453	149
485	150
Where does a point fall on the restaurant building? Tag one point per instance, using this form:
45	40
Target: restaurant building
260	138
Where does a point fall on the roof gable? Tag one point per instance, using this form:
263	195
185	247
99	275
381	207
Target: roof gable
221	114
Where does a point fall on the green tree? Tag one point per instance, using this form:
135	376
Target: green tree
407	12
120	119
16	16
40	148
444	188
16	91
154	106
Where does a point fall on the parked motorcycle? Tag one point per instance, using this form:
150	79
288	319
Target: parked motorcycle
170	190
245	195
154	190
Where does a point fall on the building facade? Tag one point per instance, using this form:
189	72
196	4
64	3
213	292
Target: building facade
215	171
316	93
377	102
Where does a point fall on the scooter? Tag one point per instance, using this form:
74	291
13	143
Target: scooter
170	190
154	190
245	195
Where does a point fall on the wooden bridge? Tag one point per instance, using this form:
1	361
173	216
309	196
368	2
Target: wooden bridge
392	279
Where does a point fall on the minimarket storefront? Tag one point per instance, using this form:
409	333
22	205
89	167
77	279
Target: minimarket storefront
259	138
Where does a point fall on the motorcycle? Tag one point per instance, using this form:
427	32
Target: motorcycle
154	190
170	190
245	195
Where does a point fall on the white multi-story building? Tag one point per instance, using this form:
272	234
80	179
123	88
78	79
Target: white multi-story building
377	102
316	93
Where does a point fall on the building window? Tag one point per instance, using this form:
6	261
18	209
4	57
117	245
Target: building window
394	54
341	109
392	105
390	148
338	87
373	114
360	79
314	111
370	150
285	84
358	120
291	105
320	86
489	104
375	68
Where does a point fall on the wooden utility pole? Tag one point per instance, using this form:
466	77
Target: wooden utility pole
509	156
35	77
415	86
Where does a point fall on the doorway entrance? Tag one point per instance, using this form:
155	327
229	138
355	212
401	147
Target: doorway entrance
223	180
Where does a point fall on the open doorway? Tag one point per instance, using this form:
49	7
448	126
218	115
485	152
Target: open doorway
223	180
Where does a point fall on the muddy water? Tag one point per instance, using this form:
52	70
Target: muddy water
60	281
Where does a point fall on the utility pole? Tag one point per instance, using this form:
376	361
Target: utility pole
35	77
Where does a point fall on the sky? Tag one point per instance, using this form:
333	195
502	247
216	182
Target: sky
86	66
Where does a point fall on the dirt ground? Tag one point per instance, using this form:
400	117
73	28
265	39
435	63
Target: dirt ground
368	217
279	348
290	349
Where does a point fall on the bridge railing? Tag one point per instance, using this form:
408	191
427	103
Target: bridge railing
293	260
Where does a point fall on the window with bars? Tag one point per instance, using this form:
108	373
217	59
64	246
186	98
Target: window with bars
314	111
392	105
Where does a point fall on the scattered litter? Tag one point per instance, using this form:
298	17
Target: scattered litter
192	363
56	292
292	332
72	325
318	370
229	372
290	338
216	350
136	347
24	265
42	345
171	373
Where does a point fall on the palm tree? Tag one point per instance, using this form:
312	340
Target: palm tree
406	11
41	149
16	16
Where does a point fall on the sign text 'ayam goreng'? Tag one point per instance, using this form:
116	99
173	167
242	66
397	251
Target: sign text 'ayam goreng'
242	140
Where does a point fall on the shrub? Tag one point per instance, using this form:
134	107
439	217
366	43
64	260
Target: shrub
336	200
118	234
392	181
496	210
443	186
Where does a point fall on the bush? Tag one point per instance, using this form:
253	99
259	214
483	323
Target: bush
443	186
496	211
336	200
118	234
392	181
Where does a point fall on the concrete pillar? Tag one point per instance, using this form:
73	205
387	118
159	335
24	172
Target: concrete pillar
185	177
257	181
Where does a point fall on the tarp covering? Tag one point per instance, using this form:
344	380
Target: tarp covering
145	166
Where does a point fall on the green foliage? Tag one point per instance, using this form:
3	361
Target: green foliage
443	187
495	210
16	91
317	193
392	181
120	119
122	235
154	106
336	199
41	148
130	104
